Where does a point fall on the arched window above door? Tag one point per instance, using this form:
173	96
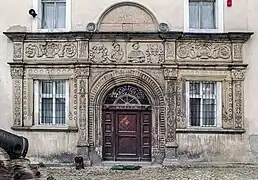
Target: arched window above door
126	95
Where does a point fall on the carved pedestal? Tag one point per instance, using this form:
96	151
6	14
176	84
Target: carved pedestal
170	154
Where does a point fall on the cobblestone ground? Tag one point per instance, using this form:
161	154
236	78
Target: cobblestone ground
158	173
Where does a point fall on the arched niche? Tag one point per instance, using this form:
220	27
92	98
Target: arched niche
127	17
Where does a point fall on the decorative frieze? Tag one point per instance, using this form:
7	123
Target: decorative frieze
203	51
50	50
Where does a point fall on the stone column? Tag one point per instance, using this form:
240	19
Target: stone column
238	97
17	80
171	145
82	75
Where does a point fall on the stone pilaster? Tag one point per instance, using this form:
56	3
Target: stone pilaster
82	76
17	80
238	76
171	145
170	48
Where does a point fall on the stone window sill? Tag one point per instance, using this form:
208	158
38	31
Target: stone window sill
46	128
211	130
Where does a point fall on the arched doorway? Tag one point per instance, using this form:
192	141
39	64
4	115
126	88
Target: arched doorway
126	125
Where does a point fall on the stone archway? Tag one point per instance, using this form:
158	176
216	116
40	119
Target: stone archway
126	124
115	78
127	16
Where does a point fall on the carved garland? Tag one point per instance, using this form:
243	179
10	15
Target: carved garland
117	77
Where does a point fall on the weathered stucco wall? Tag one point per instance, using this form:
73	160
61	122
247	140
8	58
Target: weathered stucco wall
242	16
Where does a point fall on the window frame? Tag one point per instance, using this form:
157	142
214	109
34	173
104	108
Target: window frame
37	21
37	103
218	120
219	18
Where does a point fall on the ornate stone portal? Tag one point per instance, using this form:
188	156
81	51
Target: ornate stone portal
159	63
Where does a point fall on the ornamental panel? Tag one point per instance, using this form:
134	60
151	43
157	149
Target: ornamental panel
203	51
50	50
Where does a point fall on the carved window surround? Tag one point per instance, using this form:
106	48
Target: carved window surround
232	98
23	92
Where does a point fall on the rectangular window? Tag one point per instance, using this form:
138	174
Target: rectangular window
203	101
52	104
53	14
202	14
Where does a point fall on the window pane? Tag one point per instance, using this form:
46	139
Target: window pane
209	111
47	111
47	87
47	15
194	88
60	88
207	15
194	15
195	111
60	15
60	110
209	88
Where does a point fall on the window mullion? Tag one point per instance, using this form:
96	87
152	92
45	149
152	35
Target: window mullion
54	102
201	105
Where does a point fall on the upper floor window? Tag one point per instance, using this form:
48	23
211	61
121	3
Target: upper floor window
204	15
203	103
51	102
53	15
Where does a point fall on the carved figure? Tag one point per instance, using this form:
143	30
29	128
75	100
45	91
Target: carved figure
136	55
117	53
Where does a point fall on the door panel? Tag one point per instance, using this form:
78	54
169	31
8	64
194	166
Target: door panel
108	136
146	136
127	135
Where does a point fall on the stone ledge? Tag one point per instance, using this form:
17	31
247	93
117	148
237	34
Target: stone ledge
211	131
45	129
175	35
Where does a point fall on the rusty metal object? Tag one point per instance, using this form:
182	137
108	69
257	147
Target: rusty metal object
15	146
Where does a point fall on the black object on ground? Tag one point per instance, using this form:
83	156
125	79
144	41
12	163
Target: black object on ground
125	167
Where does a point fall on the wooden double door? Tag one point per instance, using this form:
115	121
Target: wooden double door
126	135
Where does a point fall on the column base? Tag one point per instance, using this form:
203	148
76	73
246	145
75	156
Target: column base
170	154
83	151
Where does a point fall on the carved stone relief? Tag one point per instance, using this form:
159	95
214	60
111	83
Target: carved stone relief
238	74
17	102
203	51
127	16
180	103
50	50
117	52
171	130
17	51
17	72
170	51
145	53
237	51
227	103
83	50
238	104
